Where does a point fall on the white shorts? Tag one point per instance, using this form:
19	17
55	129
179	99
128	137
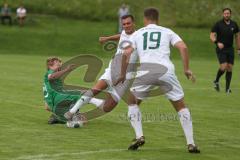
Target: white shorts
167	84
112	73
116	91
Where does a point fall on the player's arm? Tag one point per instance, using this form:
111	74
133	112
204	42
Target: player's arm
213	37
125	61
237	38
58	74
109	38
213	33
182	47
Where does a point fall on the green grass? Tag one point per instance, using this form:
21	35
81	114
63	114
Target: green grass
25	134
50	35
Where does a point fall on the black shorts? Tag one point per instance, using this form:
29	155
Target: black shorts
225	55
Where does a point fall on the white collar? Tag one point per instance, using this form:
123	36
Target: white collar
151	25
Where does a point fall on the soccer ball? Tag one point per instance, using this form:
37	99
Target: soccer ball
74	124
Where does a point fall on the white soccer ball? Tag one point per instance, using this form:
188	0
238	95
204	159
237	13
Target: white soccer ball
74	124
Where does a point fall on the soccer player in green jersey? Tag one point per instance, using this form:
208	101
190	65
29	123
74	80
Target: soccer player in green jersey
57	100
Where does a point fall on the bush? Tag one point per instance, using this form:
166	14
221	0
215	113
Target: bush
184	13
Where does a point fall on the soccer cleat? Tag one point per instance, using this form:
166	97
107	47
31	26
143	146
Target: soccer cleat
137	143
216	86
68	115
193	149
54	120
228	91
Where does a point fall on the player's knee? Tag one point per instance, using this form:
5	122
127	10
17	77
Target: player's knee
108	109
229	68
223	68
95	91
109	106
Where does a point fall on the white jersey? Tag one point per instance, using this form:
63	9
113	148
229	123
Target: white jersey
125	40
118	91
152	44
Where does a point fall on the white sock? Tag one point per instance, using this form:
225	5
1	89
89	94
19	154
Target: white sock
186	122
83	100
97	102
135	118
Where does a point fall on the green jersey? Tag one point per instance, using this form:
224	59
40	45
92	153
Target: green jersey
54	93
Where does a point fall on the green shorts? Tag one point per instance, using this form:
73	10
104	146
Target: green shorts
62	104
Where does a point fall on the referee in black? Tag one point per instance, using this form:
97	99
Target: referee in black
222	34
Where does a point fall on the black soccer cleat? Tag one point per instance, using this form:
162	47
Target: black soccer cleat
54	120
193	149
137	143
228	91
216	86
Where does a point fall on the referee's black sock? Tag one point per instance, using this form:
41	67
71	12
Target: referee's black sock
228	79
219	74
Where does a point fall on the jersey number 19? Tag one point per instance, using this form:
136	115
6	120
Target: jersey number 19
154	37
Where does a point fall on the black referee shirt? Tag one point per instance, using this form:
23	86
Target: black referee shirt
225	32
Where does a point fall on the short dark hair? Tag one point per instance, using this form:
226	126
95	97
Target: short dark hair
224	9
151	14
128	16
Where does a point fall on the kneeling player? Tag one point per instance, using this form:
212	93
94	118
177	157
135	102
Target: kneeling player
58	100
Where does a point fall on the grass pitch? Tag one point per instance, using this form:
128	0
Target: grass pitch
25	134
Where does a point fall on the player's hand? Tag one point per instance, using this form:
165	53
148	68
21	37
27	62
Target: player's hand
121	79
103	39
220	45
70	67
190	75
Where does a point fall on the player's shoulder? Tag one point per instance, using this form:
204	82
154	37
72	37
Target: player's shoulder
233	22
49	72
134	34
157	27
167	30
124	34
219	22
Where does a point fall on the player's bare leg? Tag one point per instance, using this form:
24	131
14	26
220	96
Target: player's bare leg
109	104
86	97
99	86
135	117
186	123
